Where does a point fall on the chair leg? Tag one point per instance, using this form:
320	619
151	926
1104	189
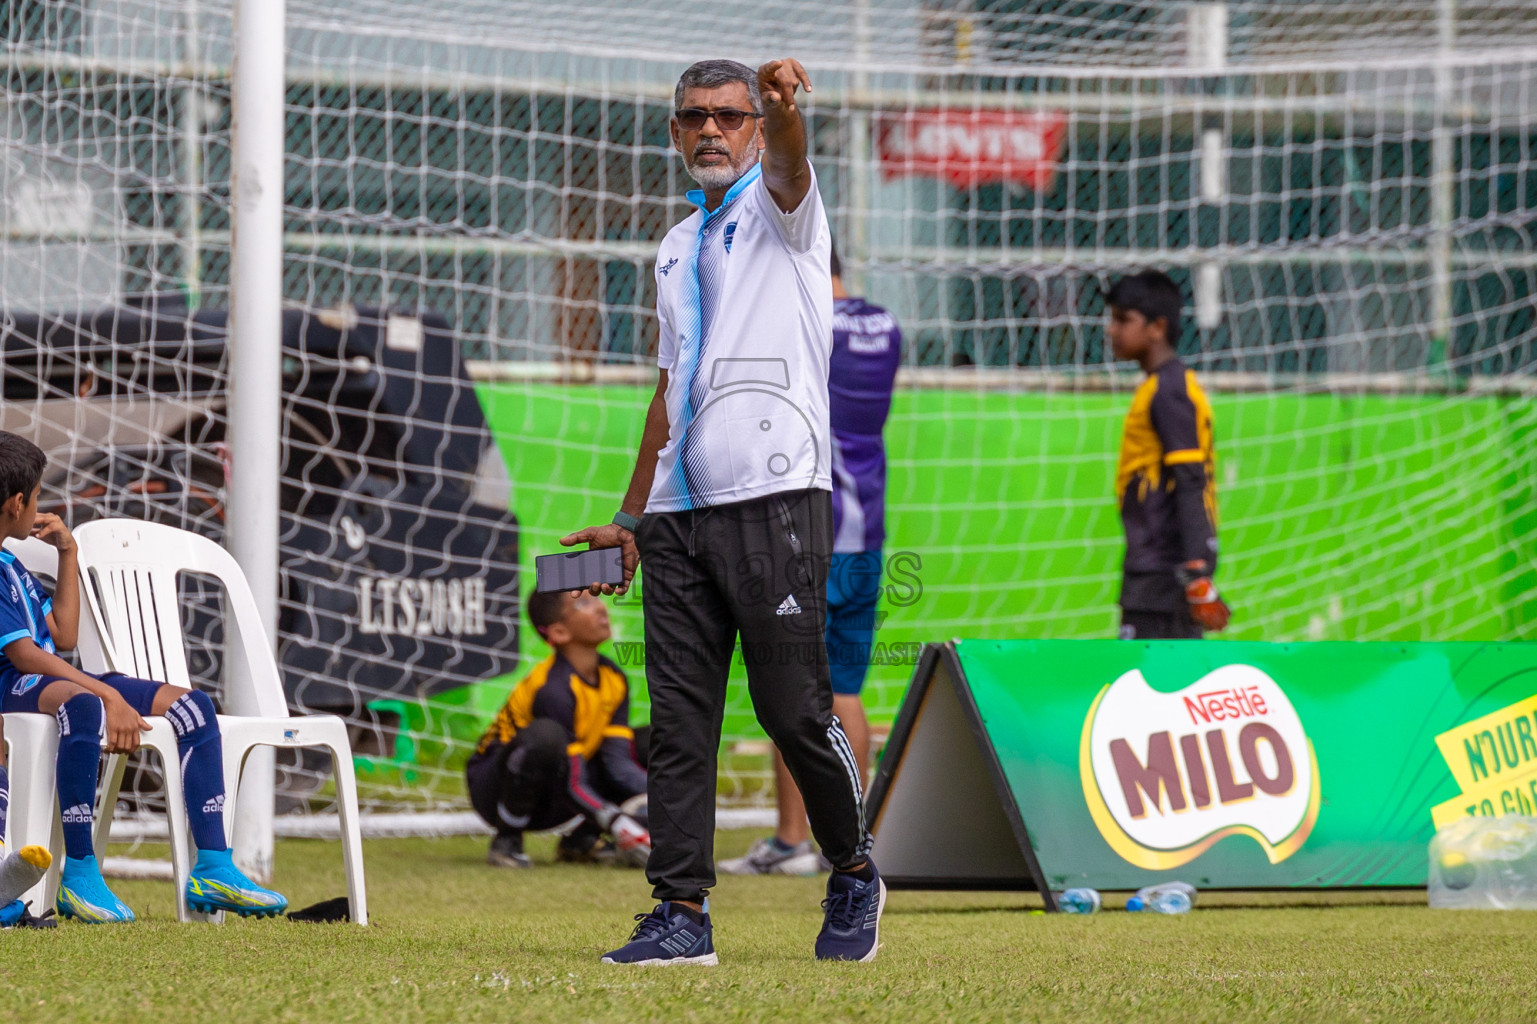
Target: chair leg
55	847
183	850
34	816
235	753
352	838
32	804
112	784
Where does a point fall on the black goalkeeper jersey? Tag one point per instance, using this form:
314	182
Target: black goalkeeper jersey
1166	486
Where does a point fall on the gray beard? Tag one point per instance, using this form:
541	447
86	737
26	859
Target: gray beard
722	177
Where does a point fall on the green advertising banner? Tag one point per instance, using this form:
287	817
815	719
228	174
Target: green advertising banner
1050	763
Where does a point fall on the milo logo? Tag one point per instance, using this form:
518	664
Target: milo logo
1168	775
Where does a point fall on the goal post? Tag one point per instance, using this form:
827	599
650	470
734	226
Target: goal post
255	360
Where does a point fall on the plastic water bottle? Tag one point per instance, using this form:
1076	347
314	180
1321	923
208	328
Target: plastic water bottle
1078	901
1165	898
1485	863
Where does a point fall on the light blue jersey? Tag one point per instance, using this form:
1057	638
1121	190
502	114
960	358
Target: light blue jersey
24	607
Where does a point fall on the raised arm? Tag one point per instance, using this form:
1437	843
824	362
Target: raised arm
612	535
64	620
785	169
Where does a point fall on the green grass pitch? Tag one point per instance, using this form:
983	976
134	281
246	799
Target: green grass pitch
454	940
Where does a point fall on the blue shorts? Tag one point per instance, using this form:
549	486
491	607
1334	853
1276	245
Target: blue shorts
853	588
19	693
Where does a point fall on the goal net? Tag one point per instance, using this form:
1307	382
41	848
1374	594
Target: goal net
473	194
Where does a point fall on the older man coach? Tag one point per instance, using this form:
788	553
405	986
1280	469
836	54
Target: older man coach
730	506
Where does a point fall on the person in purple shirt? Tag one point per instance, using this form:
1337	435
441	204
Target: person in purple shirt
867	348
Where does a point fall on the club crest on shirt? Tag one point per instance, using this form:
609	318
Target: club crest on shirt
730	234
665	267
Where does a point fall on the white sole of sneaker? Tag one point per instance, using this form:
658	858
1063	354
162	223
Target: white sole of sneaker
802	865
708	960
880	908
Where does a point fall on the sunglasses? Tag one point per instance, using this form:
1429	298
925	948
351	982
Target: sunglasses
691	119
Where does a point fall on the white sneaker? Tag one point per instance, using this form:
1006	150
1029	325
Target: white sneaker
766	858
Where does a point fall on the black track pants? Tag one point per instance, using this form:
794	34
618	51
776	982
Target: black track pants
757	569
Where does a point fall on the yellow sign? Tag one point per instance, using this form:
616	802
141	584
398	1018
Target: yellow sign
1512	795
1494	760
1501	743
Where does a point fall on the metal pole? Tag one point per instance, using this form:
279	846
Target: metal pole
191	113
1443	183
255	369
858	242
1207	26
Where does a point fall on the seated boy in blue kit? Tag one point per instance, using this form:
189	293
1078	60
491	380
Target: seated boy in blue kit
111	707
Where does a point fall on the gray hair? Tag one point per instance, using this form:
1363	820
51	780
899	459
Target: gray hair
711	74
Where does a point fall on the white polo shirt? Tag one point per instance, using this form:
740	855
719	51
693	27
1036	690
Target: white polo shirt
745	302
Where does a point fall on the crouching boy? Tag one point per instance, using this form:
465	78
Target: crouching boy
102	710
562	747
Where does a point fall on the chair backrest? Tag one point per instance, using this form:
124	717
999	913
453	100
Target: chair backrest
131	570
42	559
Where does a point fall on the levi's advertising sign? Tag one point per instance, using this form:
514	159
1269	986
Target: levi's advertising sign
972	147
1249	765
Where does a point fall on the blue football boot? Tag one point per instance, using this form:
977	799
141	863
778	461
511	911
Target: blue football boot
84	896
667	936
851	925
216	884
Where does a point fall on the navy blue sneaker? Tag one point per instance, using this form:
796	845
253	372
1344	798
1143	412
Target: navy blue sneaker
666	936
851	927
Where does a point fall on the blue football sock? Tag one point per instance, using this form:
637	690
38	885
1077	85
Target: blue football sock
80	733
5	800
202	767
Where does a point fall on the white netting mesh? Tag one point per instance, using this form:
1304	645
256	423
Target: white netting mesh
473	194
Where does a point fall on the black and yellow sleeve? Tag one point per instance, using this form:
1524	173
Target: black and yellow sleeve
1182	418
517	712
618	726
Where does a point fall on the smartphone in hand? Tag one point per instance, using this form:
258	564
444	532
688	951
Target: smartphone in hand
578	570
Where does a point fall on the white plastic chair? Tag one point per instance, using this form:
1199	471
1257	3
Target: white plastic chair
34	744
130	571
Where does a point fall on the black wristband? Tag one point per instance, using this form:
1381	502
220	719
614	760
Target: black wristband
626	520
1186	575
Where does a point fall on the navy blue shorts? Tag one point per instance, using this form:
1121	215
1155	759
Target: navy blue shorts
20	693
853	588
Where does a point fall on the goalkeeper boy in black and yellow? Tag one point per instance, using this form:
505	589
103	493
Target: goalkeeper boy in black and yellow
1165	482
562	747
